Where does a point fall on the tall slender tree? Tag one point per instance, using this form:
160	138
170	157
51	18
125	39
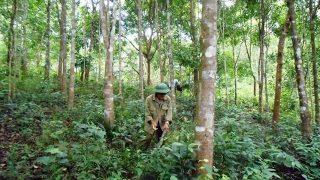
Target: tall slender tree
207	86
312	16
303	99
11	49
161	67
48	32
277	96
120	49
249	54
235	67
92	40
62	68
108	81
24	31
224	59
262	22
194	39
73	52
84	36
141	76
169	48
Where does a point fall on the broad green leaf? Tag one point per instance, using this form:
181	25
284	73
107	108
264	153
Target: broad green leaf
64	161
46	159
94	148
173	178
53	150
177	144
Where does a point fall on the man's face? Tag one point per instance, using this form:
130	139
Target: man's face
160	96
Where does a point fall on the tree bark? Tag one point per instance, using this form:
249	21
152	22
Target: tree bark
24	30
159	42
92	41
261	56
120	51
99	54
48	65
277	96
11	49
266	93
195	46
62	71
225	61
109	44
249	54
73	52
235	67
83	69
312	14
171	70
205	110
64	42
303	99
141	77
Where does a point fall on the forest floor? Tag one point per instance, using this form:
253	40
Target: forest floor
8	137
14	132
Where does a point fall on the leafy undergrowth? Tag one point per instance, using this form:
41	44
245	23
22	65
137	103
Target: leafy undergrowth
41	139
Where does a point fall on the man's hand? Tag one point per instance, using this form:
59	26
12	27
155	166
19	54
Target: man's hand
154	125
166	126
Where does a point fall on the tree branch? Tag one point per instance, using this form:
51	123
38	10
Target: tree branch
130	42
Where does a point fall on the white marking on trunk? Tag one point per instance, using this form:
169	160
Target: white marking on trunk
107	112
298	53
200	129
298	66
209	52
209	119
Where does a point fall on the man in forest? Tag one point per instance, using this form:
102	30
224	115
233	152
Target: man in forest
158	115
177	85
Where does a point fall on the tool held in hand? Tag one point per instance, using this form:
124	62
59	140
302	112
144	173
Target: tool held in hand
159	144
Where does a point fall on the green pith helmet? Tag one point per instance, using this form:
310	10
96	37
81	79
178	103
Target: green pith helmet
161	88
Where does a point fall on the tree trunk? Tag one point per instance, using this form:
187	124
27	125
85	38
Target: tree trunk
60	53
92	41
109	104
277	96
120	51
159	42
261	56
171	70
148	58
194	45
235	67
48	65
206	97
314	60
249	54
303	99
11	49
109	44
83	69
24	29
266	80
73	52
99	54
62	75
141	78
225	61
64	39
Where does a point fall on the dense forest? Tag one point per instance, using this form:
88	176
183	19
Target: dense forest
75	74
